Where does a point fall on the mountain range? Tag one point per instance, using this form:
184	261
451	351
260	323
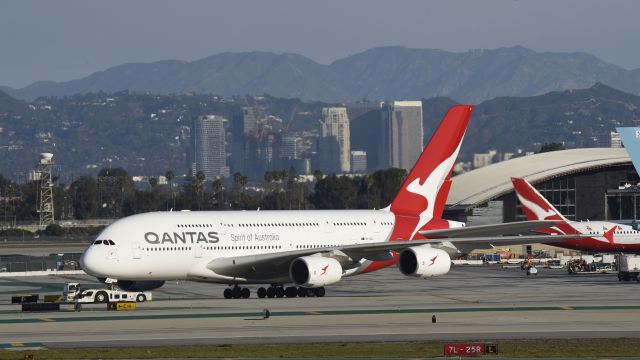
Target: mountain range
379	73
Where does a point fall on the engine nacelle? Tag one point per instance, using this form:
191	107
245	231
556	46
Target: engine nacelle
128	285
424	261
315	271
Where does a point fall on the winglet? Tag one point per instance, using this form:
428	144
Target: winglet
609	234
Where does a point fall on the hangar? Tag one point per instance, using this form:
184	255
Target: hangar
583	184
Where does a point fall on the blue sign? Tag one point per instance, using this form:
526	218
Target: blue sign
630	137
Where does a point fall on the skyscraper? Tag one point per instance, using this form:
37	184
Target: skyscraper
402	144
335	123
209	153
358	162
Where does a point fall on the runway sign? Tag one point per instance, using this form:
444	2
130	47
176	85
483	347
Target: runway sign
474	349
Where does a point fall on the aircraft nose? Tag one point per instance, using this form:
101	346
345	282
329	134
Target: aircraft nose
91	262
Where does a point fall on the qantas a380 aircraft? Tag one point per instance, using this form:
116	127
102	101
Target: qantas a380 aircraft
591	236
307	248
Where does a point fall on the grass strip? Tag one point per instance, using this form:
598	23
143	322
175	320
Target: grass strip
573	348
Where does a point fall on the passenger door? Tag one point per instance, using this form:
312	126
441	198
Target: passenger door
197	250
136	250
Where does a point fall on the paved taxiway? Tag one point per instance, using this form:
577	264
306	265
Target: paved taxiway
469	302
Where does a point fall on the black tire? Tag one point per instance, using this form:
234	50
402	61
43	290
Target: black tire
262	293
271	292
279	292
246	293
291	292
302	292
102	297
237	293
319	291
228	294
141	298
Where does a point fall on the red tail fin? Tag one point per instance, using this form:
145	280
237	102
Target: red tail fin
417	196
534	205
425	190
441	199
609	234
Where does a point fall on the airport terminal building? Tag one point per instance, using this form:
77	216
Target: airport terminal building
583	184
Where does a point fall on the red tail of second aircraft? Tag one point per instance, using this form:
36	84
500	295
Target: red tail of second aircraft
534	205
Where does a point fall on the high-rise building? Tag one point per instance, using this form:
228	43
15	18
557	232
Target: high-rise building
367	130
335	123
615	140
483	159
403	143
249	120
289	147
208	147
358	162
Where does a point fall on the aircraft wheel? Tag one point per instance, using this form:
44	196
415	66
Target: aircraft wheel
302	292
246	293
279	292
319	291
228	294
237	293
291	292
141	298
262	293
271	292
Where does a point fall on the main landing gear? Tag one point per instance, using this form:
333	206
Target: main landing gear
273	291
236	293
290	292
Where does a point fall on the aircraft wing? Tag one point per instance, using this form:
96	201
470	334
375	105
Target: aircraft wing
271	265
489	230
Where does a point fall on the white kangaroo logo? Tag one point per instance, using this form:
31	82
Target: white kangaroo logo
429	189
540	213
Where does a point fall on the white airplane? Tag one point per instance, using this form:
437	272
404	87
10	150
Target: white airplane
591	236
310	248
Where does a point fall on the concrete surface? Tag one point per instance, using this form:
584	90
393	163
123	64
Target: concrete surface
487	303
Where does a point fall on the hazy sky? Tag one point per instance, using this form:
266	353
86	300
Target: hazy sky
64	40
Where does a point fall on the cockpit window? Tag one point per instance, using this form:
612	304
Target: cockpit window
111	242
97	242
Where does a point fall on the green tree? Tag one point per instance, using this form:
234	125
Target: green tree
170	176
552	146
333	192
84	197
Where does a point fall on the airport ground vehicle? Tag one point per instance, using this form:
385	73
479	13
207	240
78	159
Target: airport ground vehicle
73	292
628	267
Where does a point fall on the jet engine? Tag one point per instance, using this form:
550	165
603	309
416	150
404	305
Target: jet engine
128	285
315	271
424	261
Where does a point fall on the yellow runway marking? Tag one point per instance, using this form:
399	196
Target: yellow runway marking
313	313
47	319
566	307
17	344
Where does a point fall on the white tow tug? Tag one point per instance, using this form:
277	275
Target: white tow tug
73	293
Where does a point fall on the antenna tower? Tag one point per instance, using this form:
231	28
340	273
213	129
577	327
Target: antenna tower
44	172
